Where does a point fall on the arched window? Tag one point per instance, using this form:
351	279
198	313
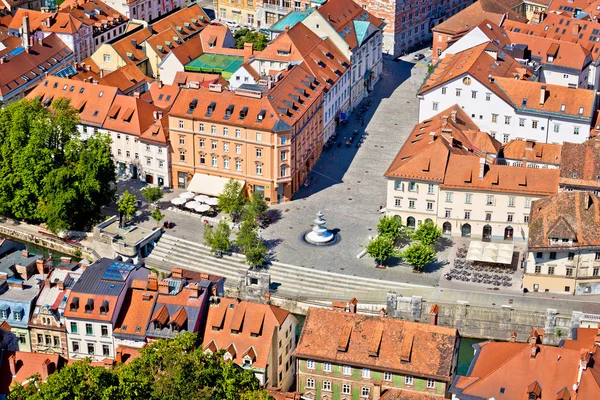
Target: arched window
410	222
465	230
487	232
508	233
447	228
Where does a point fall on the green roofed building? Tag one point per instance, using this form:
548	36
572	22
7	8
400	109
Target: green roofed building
289	20
216	63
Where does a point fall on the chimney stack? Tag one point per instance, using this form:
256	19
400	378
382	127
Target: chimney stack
534	351
26	33
481	168
176	273
46	369
15	284
542	95
12	364
513	337
267	298
136	94
61	285
353	305
163	287
41	268
214	291
382	313
193	289
248	49
433	314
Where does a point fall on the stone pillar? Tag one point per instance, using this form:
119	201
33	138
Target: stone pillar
392	304
415	306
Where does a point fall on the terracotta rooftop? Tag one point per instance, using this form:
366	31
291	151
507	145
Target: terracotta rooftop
184	79
586	338
345	16
243	328
26	364
399	394
92	101
558	100
188	51
130	48
426	151
158	132
567	215
165	41
580	164
473	15
478	62
19	69
95	13
276	109
135	314
544	372
131	115
387	344
535	152
125	78
463	173
187	21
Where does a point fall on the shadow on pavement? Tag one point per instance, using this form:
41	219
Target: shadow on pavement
334	162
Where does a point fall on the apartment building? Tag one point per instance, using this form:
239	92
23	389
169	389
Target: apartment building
493	88
145	10
563	373
257	337
321	57
450	30
409	23
448	172
343	355
47	323
268	12
242	12
268	136
563	246
94	304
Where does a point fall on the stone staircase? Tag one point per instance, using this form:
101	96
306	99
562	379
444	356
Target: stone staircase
287	280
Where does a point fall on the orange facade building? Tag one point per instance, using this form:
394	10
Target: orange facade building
268	136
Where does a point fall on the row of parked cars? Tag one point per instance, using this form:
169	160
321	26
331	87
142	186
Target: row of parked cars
234	26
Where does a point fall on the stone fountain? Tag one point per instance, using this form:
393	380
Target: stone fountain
320	235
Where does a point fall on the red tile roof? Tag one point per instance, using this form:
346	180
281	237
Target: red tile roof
404	347
94	13
27	365
580	164
566	215
188	51
125	78
255	325
187	21
130	115
465	20
92	101
130	47
42	56
135	312
550	371
535	152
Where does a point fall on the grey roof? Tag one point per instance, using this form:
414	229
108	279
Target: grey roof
15	298
193	313
8	246
94	280
16	258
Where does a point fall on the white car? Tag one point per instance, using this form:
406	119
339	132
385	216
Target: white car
232	24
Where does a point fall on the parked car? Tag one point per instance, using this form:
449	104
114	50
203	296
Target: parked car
418	57
263	31
232	24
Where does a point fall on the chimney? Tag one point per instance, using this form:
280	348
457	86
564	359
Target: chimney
160	114
61	285
41	268
534	351
119	355
136	95
160	84
214	291
193	289
48	21
46	369
248	49
26	32
433	314
376	391
177	273
353	305
12	364
453	115
287	28
542	95
163	287
382	313
15	284
267	298
513	337
47	283
584	359
481	168
25	253
152	282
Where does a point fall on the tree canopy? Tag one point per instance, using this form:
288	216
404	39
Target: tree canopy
127	204
418	255
48	173
168	369
152	194
257	207
381	248
247	36
427	233
390	226
231	200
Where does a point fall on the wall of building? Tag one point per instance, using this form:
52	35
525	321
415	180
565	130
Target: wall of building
96	339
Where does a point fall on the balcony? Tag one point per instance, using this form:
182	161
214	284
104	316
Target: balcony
276	8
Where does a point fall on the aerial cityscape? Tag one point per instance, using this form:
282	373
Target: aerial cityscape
307	200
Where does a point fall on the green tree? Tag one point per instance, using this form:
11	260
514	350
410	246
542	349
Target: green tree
231	200
247	36
381	248
427	233
168	369
390	226
48	173
418	255
209	235
157	215
256	253
246	235
257	207
127	204
152	194
220	239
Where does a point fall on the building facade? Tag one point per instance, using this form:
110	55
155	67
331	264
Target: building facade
268	136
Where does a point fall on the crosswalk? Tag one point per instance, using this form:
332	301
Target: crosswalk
287	280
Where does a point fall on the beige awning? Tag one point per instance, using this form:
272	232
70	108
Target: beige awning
497	253
208	184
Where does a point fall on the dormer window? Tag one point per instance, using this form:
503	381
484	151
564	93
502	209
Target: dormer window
104	307
89	306
74	304
247	362
227	357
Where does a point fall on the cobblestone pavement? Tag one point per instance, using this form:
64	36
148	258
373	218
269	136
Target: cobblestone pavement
347	184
